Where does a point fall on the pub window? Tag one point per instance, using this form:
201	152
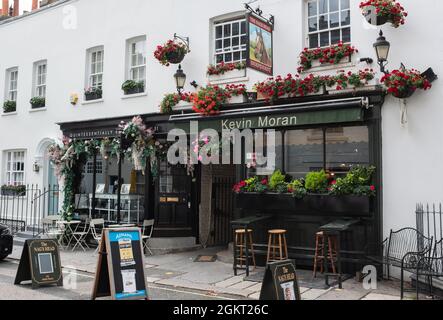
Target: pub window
274	162
40	69
11	84
230	41
329	22
90	167
136	59
95	63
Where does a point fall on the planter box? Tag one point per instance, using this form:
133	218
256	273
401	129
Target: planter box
93	96
237	99
312	204
318	64
134	91
37	105
182	106
228	75
370	86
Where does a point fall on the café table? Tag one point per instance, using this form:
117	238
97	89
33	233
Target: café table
69	228
245	223
335	229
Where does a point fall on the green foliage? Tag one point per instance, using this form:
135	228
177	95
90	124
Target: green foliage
169	102
357	181
277	182
297	188
37	102
13	190
131	85
317	182
9	106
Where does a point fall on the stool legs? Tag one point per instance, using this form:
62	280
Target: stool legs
277	246
320	254
243	242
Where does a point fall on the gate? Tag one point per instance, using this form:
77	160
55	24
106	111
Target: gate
222	209
430	220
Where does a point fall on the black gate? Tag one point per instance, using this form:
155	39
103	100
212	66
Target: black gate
222	209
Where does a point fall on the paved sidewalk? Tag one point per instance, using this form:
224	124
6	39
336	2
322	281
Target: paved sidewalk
179	270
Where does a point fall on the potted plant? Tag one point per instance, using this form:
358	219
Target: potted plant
173	101
224	71
237	93
38	102
379	12
9	190
93	93
335	54
132	87
171	52
348	80
403	83
9	106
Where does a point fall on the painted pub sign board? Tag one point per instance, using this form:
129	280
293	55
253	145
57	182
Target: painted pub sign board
280	282
260	45
40	263
120	268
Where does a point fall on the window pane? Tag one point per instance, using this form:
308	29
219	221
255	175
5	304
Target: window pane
312	8
244	40
243	27
218	32
313	41
346	35
227	30
323	6
324	39
237	56
333	5
228	57
235	41
323	23
334	20
218	44
346	147
243	55
345	18
226	43
344	4
235	29
335	36
219	58
262	149
303	151
313	24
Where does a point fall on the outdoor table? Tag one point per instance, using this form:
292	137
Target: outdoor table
335	228
70	227
244	223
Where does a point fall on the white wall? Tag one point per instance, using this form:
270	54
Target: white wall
411	155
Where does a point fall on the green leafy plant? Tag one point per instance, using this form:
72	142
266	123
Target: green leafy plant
19	190
37	102
9	106
357	182
297	188
131	86
277	182
317	182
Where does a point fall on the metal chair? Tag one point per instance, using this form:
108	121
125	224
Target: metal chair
404	249
431	267
147	234
53	230
96	227
79	237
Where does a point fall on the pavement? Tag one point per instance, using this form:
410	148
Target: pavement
177	276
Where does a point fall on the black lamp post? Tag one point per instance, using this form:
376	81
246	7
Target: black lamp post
180	79
382	47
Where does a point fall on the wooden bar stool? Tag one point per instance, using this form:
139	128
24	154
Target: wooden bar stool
277	246
320	252
243	239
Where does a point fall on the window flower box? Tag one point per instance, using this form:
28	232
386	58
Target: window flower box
9	106
311	204
238	99
225	71
133	87
319	64
234	74
93	94
37	102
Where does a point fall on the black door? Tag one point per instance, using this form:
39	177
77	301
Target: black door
175	213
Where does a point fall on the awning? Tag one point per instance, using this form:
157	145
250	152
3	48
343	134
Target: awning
270	117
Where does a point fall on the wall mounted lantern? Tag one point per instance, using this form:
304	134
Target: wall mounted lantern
382	47
180	79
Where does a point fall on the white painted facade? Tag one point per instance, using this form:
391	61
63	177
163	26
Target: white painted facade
62	34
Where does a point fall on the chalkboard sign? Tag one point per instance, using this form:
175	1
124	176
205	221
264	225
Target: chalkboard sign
120	268
40	263
280	282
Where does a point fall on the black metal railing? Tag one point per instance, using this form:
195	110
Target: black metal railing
429	220
24	210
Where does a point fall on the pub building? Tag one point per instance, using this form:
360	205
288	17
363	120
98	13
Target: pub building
333	132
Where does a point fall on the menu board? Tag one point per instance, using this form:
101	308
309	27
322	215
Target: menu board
40	263
280	282
120	270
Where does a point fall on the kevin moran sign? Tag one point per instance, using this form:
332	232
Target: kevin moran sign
278	120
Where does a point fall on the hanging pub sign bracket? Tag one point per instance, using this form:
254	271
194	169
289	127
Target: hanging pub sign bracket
258	12
185	40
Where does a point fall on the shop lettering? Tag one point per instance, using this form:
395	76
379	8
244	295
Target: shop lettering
44	249
286	277
260	122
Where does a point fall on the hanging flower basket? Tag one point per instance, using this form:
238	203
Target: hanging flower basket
171	52
403	83
379	12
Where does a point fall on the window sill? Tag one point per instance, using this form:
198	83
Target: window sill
134	95
6	114
86	102
38	109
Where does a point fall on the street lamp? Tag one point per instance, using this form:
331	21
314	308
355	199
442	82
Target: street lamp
180	79
382	47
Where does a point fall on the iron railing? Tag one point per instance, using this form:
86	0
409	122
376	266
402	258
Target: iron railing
23	211
429	220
